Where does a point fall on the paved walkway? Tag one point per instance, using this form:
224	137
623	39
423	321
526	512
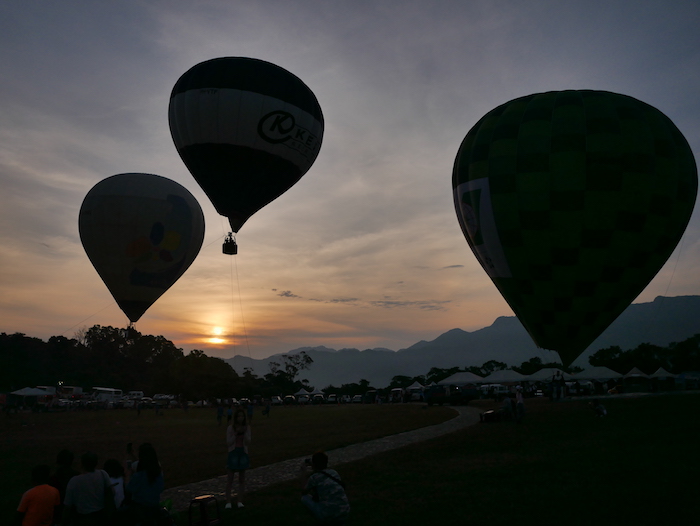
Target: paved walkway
289	469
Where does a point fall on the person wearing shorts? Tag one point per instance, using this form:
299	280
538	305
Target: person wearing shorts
237	440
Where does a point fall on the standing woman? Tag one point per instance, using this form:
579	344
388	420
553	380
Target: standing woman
237	440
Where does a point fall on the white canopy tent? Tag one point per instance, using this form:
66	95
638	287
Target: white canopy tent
302	391
662	373
504	376
599	374
547	374
461	378
636	373
415	385
30	391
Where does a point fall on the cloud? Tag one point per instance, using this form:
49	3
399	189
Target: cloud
288	294
424	305
363	237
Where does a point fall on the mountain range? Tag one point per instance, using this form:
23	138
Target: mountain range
660	322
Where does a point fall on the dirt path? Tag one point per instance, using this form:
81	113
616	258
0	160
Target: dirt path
288	469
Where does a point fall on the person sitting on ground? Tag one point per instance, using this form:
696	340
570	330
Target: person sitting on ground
142	494
39	506
115	470
598	408
323	491
64	472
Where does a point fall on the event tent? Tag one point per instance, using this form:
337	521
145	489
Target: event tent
462	378
546	374
504	376
662	373
599	374
636	373
29	391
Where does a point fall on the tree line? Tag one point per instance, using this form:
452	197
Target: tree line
126	359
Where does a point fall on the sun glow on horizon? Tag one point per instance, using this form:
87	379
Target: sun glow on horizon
216	331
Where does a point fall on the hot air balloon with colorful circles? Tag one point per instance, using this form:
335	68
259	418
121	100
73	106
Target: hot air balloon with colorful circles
141	233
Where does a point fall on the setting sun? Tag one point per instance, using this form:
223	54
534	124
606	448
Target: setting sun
216	331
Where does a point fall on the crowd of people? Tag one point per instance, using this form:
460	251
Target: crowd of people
129	494
114	495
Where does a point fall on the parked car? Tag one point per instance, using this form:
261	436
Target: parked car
289	400
357	399
345	399
62	403
318	399
303	399
275	400
332	399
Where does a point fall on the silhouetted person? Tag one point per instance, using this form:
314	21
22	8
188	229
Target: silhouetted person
598	408
85	503
323	492
40	505
64	472
142	494
238	437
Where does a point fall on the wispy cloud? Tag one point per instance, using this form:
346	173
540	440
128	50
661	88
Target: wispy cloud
365	250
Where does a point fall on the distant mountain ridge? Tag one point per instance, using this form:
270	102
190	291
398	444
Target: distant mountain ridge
661	322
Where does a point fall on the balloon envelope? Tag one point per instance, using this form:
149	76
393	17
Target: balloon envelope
246	129
141	233
572	201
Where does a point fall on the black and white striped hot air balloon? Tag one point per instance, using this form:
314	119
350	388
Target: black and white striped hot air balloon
246	129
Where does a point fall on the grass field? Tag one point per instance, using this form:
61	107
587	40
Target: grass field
191	446
562	465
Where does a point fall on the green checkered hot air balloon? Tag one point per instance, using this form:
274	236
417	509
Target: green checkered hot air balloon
572	201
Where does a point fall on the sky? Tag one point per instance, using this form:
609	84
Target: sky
365	251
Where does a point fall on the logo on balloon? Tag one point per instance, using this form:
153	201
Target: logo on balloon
280	127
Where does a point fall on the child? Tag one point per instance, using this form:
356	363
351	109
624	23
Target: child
39	505
115	470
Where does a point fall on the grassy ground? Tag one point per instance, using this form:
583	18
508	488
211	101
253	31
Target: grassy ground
190	444
562	465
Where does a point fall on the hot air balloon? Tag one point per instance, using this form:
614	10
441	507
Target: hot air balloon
572	201
246	129
141	233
